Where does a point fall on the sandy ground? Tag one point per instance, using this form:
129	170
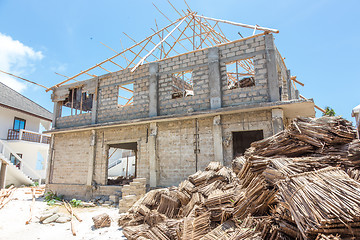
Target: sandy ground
15	214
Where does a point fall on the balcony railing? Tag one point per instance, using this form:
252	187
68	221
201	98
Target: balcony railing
27	135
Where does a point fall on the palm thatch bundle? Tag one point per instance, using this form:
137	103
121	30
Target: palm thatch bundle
302	183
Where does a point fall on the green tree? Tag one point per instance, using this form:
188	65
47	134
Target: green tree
329	112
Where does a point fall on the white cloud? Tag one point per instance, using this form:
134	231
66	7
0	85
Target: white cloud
18	59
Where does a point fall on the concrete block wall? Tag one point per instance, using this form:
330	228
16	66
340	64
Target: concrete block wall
253	48
138	134
249	121
158	101
70	158
74	120
283	77
108	109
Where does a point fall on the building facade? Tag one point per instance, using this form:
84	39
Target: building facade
23	148
173	135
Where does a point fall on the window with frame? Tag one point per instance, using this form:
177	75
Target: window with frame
19	123
240	73
15	161
182	84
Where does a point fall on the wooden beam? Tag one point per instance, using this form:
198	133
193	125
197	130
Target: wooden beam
317	107
293	78
23	79
152	50
126	89
241	24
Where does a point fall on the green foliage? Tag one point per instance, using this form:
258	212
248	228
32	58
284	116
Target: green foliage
75	203
51	198
35	184
329	112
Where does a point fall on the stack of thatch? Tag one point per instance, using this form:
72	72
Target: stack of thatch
299	184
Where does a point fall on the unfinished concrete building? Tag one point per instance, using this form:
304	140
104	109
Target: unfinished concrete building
176	114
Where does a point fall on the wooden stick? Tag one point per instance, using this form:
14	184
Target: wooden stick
69	209
152	50
32	205
241	24
294	78
65	76
23	79
72	221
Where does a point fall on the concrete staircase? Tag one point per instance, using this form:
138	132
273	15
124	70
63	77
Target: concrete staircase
131	193
14	174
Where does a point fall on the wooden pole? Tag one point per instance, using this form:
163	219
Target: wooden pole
240	24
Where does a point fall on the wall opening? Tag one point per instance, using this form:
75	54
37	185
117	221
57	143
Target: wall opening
240	73
243	139
121	167
182	84
126	95
77	102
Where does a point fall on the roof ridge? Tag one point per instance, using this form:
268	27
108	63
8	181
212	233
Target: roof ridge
25	97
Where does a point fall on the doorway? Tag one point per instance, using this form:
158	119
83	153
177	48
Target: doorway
243	139
121	163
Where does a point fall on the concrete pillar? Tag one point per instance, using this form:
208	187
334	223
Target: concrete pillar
153	161
95	103
153	89
277	115
92	158
217	136
3	175
214	78
56	113
49	167
289	85
273	80
297	94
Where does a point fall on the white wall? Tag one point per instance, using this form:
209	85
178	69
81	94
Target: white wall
7	121
29	151
120	169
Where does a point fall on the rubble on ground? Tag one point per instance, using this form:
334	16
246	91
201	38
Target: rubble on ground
301	183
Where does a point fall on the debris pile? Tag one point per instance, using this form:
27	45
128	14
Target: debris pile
5	195
298	184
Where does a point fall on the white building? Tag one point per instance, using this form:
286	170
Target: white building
356	114
23	149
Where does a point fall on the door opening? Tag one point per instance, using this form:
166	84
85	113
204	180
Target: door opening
243	139
121	163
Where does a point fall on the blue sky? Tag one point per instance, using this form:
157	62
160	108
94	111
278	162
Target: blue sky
319	39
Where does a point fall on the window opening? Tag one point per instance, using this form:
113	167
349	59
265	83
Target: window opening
121	163
77	102
126	95
243	139
182	84
16	161
240	73
19	124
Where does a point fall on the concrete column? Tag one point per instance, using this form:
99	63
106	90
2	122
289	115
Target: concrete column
153	162
277	115
153	89
92	158
56	113
273	80
214	78
217	136
50	160
289	85
3	175
95	103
